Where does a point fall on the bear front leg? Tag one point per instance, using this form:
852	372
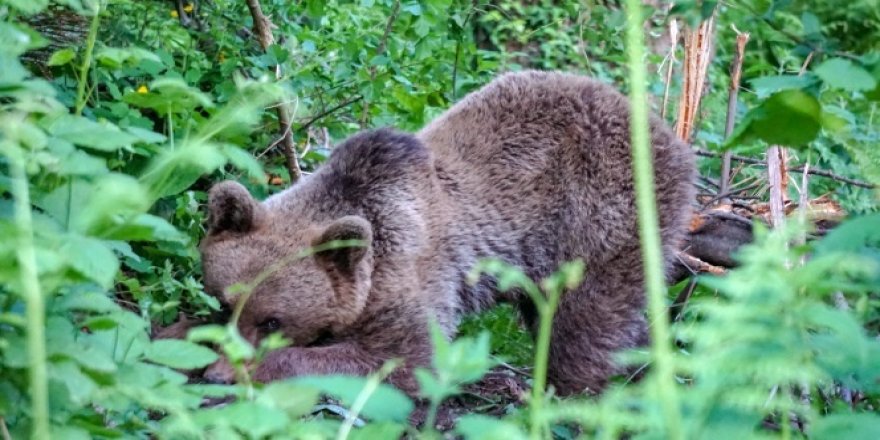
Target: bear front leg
342	358
346	358
603	316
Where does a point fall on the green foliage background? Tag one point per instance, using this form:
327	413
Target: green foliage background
110	140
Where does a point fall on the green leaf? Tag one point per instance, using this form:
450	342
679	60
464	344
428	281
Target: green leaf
860	426
146	227
70	433
257	421
113	200
180	354
837	121
385	404
768	85
146	136
99	323
89	134
812	26
483	427
90	258
378	431
853	235
89	357
244	161
844	74
315	8
28	6
115	57
294	400
173	171
79	385
790	118
169	95
61	57
88	302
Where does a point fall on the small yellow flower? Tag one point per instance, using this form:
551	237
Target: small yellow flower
143	89
221	57
188	8
174	13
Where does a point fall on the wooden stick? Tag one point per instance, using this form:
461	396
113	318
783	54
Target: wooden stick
777	173
732	94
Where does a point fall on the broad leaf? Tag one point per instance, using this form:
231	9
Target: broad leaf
89	134
61	57
91	258
791	118
181	354
386	403
844	74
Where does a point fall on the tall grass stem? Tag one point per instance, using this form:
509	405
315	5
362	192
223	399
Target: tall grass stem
649	229
86	63
33	295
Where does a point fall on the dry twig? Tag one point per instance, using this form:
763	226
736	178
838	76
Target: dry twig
812	170
670	58
733	92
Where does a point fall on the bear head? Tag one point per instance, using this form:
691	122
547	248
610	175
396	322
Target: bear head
306	279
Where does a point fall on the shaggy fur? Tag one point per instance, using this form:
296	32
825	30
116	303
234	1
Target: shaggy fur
534	169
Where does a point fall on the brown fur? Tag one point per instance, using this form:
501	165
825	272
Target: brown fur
534	168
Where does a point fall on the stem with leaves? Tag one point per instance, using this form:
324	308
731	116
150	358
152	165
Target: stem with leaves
546	310
86	64
33	295
546	299
643	173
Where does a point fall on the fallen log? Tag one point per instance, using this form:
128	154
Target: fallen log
717	233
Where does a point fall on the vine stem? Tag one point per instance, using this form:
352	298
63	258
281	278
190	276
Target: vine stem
30	286
87	60
649	230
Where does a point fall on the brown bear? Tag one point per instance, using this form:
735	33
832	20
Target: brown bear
533	168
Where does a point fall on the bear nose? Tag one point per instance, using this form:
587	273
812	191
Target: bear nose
220	373
209	380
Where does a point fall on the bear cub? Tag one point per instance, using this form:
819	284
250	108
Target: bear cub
534	169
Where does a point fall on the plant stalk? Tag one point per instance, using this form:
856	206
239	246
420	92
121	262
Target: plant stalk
33	296
542	354
81	97
649	230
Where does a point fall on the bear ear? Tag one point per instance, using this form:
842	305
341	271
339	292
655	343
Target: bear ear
231	208
345	257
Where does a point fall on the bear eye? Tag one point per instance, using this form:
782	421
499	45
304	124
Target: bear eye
270	324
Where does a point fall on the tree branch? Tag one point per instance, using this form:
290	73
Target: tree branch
380	50
811	170
263	29
326	112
